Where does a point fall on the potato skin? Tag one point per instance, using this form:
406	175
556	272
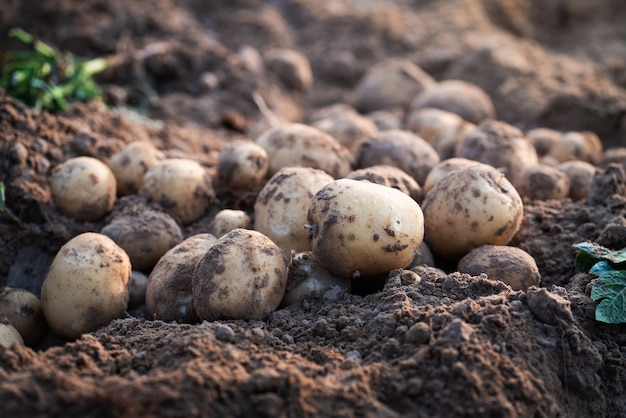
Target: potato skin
23	310
389	176
242	276
131	164
360	229
510	265
228	219
543	182
86	285
242	164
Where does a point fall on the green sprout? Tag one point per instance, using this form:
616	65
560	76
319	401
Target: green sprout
44	78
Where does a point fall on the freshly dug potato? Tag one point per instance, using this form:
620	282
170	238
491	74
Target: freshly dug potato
295	144
423	257
242	164
580	176
360	229
86	286
131	164
9	335
443	168
543	182
468	208
348	127
387	119
510	265
137	285
281	207
308	279
584	146
23	310
228	219
292	68
500	145
169	292
613	156
144	235
242	276
463	98
390	83
389	176
398	148
429	122
83	188
447	143
543	139
181	186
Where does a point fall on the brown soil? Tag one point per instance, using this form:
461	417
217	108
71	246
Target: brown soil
449	346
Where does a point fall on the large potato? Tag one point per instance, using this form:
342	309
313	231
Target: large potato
86	285
131	164
169	291
23	310
280	209
468	208
83	188
242	276
358	228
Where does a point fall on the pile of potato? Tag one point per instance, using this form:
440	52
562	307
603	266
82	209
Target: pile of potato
349	197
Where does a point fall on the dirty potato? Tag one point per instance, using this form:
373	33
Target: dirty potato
242	164
584	146
443	168
137	289
23	310
543	182
242	276
228	219
389	176
131	164
9	335
344	124
580	176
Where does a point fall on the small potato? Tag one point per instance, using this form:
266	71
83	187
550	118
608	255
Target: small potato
543	139
510	265
131	164
580	176
23	310
389	176
423	257
242	276
83	188
169	292
465	99
443	168
398	148
9	335
295	144
430	122
309	280
348	127
468	208
242	164
137	288
281	207
292	68
584	146
360	229
228	219
144	235
181	186
543	182
86	286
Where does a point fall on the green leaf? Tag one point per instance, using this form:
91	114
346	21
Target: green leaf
590	253
601	267
610	290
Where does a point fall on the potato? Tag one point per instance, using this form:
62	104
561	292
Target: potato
443	168
390	83
242	164
292	68
543	139
295	144
510	265
131	164
389	176
580	176
447	142
347	126
281	207
543	182
83	188
181	186
137	285
613	156
584	146
468	208
308	279
9	335
86	286
360	229
228	219
169	292
423	257
242	276
23	310
463	98
145	235
398	148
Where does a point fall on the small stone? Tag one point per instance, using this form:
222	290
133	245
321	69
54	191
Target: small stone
225	333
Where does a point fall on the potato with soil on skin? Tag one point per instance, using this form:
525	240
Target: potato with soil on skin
281	207
584	146
131	164
83	188
543	139
23	310
443	168
228	219
86	286
242	164
543	182
580	176
360	229
308	279
613	156
182	187
398	148
291	67
389	176
169	291
9	335
137	285
242	276
510	265
346	125
468	208
296	144
144	234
